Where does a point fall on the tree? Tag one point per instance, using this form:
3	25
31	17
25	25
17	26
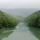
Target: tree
7	21
34	19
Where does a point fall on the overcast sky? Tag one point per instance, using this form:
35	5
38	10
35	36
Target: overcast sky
19	3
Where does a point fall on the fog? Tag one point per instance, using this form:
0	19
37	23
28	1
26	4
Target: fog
11	4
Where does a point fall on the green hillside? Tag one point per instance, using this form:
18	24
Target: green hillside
34	19
7	21
33	22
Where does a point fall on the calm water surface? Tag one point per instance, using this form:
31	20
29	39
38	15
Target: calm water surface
21	33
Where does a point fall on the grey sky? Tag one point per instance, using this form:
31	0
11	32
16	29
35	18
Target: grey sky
19	3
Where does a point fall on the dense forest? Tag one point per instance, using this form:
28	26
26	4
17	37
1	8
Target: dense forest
7	21
34	19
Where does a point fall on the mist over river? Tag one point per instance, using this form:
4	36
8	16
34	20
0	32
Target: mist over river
22	31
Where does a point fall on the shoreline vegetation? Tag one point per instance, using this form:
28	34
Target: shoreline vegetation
7	21
33	22
7	24
34	19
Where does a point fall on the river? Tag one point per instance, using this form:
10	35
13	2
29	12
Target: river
22	32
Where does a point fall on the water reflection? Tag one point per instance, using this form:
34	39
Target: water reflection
35	31
4	33
22	33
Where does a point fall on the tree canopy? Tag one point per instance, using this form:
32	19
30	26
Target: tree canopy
34	19
7	21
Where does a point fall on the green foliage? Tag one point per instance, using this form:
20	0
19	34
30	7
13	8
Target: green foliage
35	31
7	21
34	19
4	33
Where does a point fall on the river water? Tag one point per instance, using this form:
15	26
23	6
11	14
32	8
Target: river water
22	32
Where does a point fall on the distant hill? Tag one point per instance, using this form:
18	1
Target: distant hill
21	11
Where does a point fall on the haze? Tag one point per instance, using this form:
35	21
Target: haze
19	4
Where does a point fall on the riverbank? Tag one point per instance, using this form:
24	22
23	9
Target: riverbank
22	33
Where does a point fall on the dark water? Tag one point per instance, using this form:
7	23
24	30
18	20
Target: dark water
35	31
4	33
